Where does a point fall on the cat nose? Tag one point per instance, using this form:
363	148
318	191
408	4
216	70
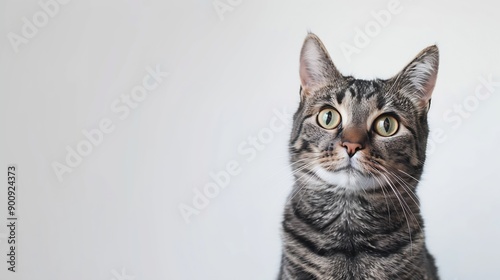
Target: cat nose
353	139
352	148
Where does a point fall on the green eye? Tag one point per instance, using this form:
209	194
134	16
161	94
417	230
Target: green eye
329	118
386	125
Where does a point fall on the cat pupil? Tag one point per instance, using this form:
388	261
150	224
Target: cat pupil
387	124
328	117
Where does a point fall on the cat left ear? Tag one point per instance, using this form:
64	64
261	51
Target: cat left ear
418	78
316	67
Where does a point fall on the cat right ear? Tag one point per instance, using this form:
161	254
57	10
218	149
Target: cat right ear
316	67
418	78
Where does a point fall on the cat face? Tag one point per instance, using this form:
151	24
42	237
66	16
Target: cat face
358	134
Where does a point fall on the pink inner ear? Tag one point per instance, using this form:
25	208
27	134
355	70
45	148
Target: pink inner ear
429	86
316	68
312	65
305	78
422	73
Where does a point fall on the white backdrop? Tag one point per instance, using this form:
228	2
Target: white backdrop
223	112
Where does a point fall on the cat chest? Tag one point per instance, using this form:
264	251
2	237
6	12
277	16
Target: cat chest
351	232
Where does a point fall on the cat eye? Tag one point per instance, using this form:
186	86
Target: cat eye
329	118
386	125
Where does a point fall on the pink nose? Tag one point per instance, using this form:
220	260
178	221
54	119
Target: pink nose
352	148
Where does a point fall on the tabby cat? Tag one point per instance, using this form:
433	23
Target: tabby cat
357	151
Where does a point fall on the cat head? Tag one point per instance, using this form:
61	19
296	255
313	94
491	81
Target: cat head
359	134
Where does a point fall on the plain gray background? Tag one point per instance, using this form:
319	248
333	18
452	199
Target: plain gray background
117	213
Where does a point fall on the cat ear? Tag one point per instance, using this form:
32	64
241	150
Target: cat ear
418	78
316	67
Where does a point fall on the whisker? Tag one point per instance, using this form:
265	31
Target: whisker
408	175
402	207
407	187
382	187
297	180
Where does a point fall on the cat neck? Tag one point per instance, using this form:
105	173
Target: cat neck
374	210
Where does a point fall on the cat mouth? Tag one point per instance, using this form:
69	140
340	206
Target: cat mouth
347	177
349	169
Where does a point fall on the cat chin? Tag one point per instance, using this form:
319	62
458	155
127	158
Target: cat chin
347	179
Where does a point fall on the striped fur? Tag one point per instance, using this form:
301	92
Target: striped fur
358	217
